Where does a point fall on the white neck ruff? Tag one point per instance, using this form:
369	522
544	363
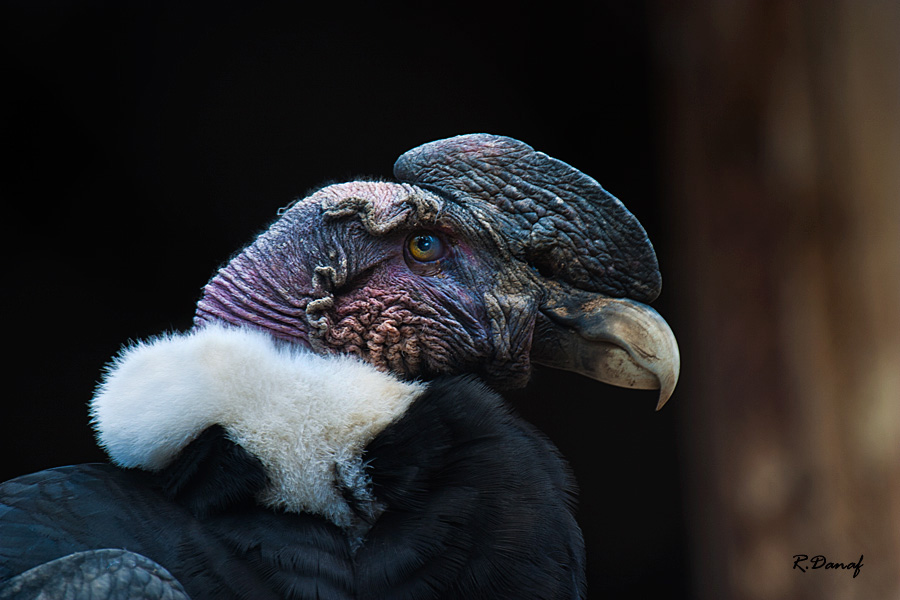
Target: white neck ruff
305	417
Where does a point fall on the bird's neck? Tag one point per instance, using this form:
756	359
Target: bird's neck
306	418
250	293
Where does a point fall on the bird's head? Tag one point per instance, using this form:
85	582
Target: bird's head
485	257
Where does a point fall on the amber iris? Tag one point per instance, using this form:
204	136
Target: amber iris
425	247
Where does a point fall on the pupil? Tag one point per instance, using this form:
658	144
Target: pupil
424	243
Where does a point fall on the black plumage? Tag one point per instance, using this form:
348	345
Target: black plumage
461	518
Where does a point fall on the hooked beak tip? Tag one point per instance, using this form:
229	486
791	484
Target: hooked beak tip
664	396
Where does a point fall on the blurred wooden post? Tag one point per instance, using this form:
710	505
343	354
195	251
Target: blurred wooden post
782	126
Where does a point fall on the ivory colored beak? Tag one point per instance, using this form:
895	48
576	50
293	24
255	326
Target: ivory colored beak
613	340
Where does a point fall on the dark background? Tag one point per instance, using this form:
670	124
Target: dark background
145	142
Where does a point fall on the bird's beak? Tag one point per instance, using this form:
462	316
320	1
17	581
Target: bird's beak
613	340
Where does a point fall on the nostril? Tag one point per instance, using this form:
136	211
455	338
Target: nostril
544	268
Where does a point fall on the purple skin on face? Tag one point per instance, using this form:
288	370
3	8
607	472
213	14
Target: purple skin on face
401	322
338	273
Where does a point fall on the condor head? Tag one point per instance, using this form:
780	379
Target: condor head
484	257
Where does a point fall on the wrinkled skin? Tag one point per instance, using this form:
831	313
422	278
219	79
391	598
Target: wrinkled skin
367	295
520	231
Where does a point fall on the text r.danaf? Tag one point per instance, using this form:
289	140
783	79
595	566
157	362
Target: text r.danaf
819	562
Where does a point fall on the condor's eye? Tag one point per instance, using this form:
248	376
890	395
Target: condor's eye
425	247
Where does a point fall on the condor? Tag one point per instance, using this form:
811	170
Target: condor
330	427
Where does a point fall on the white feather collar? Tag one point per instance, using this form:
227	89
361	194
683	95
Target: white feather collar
305	416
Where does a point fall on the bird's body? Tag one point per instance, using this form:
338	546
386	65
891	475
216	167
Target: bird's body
453	507
329	429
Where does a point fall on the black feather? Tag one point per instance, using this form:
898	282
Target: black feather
213	473
479	504
238	551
